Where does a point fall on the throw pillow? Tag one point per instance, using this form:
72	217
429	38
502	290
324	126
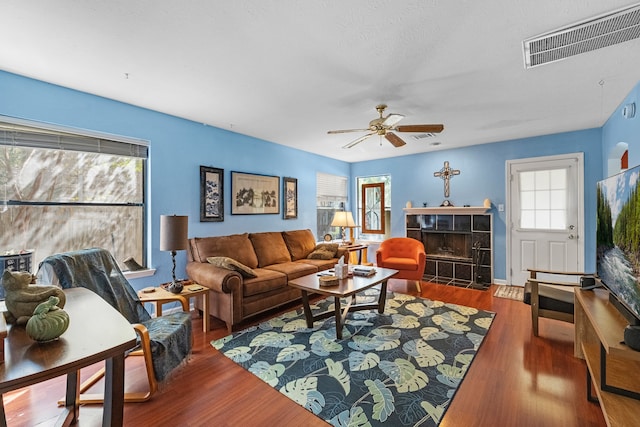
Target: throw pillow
232	264
324	251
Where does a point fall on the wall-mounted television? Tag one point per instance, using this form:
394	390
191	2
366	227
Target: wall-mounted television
618	240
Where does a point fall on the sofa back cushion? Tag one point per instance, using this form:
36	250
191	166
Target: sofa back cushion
236	246
300	243
269	248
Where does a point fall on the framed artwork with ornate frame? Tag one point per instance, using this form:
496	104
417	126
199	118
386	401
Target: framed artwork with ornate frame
290	197
211	194
254	194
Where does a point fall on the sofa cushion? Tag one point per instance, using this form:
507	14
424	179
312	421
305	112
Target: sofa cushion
299	242
265	281
269	248
324	251
293	270
231	264
236	246
320	264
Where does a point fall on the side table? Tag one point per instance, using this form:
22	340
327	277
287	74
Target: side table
159	296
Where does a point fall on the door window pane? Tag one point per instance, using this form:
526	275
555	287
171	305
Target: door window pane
543	199
527	181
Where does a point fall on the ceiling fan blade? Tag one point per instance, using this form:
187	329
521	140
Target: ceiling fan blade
420	128
392	119
347	130
394	139
359	140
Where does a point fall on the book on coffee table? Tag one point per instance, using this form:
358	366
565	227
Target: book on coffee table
363	271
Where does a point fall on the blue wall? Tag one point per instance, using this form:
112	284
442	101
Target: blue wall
619	129
179	147
483	176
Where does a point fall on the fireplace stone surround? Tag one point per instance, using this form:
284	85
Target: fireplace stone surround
458	242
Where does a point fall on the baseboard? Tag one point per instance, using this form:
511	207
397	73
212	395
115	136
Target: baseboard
499	282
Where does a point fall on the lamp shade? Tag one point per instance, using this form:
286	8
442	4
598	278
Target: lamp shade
173	232
343	219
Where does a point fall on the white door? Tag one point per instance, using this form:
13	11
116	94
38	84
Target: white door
546	215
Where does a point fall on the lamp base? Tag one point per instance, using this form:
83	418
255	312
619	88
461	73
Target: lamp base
175	287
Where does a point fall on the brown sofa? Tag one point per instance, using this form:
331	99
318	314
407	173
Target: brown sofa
274	258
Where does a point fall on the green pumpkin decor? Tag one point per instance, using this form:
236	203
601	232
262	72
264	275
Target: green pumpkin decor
48	321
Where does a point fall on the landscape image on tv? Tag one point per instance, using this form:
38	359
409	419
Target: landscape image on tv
618	237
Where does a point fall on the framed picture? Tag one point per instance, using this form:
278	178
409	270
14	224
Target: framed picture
254	194
211	194
290	197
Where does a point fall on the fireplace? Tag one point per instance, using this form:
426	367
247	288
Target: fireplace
458	243
449	245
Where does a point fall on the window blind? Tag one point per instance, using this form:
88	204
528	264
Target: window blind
331	187
24	136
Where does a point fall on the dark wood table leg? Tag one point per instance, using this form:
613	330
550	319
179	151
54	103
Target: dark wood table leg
3	419
71	397
338	312
307	309
113	410
382	299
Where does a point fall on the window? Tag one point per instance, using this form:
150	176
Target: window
386	221
62	191
331	196
543	199
373	213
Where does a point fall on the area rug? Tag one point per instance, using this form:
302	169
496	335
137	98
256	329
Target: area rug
510	292
398	368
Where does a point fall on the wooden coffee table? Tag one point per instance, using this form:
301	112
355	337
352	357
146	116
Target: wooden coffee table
345	288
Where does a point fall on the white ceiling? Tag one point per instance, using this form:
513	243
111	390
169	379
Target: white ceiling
287	71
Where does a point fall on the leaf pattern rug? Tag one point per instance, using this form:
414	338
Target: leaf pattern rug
399	368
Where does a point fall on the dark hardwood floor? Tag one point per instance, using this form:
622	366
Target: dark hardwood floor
515	380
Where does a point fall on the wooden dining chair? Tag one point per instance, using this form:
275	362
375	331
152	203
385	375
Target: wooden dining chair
551	295
164	342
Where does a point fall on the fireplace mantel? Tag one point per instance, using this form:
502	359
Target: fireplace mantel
471	210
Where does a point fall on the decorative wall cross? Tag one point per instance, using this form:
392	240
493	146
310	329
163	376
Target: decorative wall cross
446	173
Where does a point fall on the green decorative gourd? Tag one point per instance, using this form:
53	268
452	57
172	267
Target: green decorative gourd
48	321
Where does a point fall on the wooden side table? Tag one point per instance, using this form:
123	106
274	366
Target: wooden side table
159	296
357	253
27	362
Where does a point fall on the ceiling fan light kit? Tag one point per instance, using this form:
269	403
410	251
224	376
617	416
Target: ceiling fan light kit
383	126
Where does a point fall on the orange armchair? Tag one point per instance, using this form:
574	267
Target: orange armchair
404	254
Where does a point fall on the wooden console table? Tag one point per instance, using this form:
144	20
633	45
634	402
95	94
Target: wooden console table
28	362
599	329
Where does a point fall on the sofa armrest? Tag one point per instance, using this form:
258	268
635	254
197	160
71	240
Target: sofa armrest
215	278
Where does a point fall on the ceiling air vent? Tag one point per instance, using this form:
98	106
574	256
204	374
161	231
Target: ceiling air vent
424	135
595	33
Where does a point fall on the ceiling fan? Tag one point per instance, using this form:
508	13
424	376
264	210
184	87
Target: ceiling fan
384	125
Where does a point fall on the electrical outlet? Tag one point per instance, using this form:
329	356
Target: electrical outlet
501	207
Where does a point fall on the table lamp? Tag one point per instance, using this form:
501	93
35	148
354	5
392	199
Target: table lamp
343	219
173	237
